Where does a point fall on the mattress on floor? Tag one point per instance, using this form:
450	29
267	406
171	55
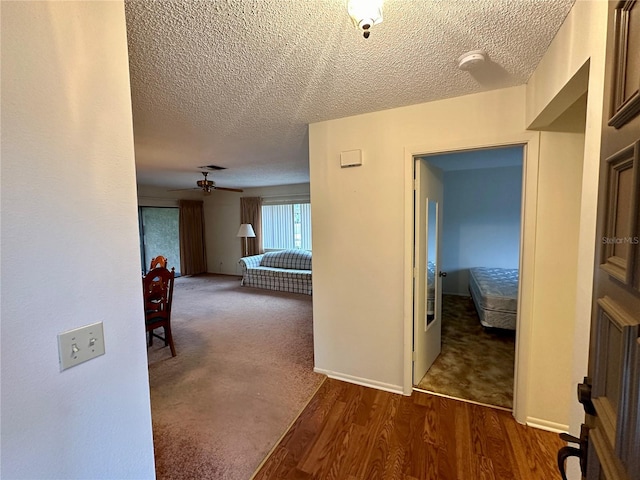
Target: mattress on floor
495	294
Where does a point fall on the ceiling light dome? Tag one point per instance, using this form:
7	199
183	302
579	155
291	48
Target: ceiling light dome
365	14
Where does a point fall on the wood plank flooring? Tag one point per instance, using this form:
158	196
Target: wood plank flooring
349	432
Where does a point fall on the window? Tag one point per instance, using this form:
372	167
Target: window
159	235
286	226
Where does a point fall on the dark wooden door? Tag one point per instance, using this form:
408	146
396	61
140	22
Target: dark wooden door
613	413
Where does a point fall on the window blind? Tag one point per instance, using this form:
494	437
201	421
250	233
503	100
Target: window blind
286	226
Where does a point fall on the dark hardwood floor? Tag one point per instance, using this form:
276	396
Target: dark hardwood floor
350	432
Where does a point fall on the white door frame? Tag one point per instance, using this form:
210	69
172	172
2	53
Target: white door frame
531	142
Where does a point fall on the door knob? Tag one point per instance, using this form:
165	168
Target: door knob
580	451
584	396
442	274
563	454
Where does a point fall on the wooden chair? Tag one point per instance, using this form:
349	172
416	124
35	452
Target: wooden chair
158	295
158	261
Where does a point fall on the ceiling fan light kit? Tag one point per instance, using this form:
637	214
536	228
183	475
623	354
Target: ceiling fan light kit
207	186
365	14
471	60
205	183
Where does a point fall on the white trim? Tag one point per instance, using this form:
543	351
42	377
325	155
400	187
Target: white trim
365	382
547	425
531	142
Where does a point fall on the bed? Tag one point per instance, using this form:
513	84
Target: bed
495	294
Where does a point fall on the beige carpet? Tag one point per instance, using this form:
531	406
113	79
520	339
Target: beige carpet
244	370
475	363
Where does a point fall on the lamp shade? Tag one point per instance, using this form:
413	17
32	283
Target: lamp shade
246	230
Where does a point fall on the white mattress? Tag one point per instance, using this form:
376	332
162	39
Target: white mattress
495	294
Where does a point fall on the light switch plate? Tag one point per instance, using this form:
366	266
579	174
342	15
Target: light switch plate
80	344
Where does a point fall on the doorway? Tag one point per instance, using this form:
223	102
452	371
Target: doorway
479	255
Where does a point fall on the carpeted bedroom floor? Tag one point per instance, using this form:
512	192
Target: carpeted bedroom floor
475	363
243	372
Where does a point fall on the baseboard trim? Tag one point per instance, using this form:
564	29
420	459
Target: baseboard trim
547	425
365	382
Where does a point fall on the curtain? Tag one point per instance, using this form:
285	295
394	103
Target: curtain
251	212
193	254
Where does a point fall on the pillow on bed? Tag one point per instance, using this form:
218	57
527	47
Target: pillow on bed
293	259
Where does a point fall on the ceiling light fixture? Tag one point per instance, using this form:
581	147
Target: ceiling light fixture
365	14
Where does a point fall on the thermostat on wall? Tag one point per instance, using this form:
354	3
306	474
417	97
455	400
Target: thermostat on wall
351	158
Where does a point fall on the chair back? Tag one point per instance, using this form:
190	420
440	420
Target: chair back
158	293
158	261
157	286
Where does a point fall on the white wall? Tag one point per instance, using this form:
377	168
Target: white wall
222	220
481	222
70	246
580	44
360	226
359	252
163	197
555	277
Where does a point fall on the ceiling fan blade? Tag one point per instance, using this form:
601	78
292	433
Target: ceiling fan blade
183	189
229	189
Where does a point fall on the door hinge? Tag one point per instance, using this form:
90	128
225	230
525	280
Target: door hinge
413	356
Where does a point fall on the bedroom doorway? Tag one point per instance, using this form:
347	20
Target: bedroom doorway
474	282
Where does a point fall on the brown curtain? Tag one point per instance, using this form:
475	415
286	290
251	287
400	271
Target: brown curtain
193	254
251	212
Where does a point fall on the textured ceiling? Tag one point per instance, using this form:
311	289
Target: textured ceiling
235	82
